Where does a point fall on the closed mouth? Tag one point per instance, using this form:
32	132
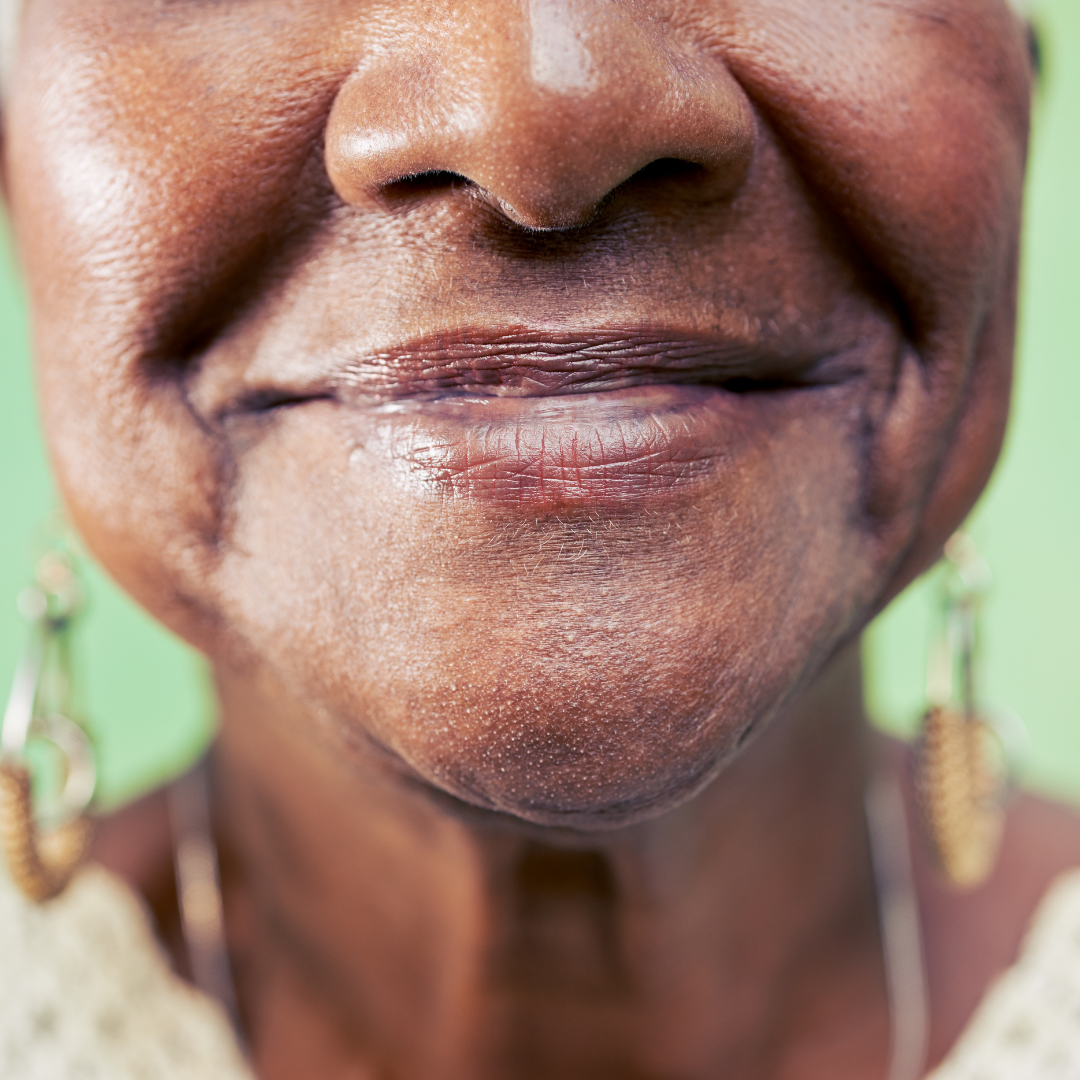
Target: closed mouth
544	419
519	362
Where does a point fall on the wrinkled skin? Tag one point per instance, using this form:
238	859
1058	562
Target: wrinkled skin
523	403
225	184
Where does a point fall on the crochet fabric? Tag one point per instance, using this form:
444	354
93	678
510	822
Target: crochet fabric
86	993
1028	1025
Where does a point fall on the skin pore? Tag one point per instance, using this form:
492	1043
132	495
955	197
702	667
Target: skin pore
525	406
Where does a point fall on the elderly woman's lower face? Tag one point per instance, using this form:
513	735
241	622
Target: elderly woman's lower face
525	406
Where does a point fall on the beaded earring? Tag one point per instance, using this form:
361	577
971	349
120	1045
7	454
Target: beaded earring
965	756
45	827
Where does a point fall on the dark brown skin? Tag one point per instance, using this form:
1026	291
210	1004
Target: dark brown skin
525	407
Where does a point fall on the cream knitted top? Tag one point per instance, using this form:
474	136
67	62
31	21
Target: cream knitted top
86	993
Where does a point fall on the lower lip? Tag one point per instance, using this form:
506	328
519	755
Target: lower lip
553	453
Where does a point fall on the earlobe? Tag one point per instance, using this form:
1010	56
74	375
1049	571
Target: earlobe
1035	49
3	163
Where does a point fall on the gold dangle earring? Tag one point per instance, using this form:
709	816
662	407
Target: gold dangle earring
45	826
963	755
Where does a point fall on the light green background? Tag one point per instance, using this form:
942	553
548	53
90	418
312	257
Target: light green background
148	695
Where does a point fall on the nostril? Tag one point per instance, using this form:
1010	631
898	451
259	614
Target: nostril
418	185
665	169
547	158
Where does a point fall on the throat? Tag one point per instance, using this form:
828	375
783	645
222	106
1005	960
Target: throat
561	928
387	931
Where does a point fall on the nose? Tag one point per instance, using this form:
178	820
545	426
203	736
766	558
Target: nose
545	106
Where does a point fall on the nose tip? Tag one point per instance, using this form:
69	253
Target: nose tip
545	122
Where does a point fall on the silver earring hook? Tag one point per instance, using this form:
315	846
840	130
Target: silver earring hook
39	708
19	712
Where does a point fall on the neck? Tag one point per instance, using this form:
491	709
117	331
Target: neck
392	928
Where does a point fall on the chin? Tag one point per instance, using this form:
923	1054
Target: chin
593	752
584	654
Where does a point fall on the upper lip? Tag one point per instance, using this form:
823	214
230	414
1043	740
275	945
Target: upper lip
526	364
511	362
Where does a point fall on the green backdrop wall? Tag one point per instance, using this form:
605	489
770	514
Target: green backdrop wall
148	694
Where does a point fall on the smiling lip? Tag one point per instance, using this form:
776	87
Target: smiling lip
543	421
623	447
526	364
511	362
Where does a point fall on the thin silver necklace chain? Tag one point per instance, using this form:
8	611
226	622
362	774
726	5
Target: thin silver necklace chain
901	927
198	888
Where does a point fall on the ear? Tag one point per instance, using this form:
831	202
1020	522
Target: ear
4	200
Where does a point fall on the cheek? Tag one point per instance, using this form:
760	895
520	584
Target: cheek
912	127
138	208
577	667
